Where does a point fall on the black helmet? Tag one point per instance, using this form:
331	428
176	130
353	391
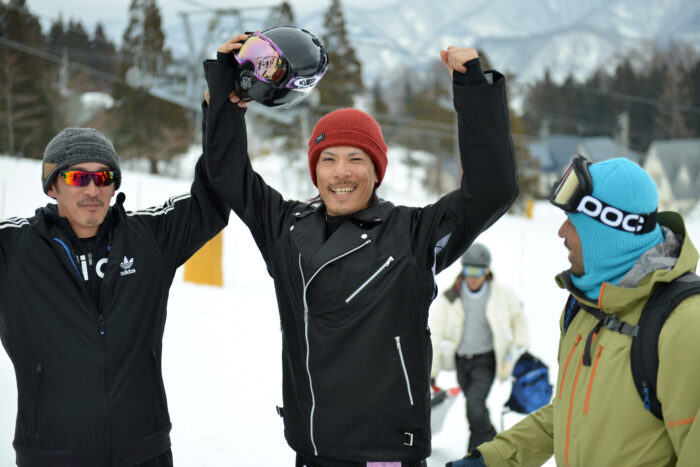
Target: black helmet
280	66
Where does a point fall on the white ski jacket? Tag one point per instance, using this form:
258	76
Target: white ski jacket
504	313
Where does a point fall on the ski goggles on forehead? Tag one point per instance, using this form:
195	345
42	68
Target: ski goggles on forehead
473	271
574	194
81	178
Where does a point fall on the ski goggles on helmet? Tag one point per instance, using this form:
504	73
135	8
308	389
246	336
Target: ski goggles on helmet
574	193
81	178
270	65
473	271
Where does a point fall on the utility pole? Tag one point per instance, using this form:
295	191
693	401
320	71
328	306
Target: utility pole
623	127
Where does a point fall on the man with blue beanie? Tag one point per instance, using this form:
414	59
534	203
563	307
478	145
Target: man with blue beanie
621	250
608	253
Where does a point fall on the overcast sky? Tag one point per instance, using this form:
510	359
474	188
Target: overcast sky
113	14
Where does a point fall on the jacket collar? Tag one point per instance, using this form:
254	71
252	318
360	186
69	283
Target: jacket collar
309	230
48	217
373	214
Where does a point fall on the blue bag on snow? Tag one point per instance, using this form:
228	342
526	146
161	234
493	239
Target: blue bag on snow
531	387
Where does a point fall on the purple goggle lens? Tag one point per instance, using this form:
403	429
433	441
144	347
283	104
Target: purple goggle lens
268	61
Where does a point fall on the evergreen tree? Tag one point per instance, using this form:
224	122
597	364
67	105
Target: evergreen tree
76	41
25	116
154	38
103	57
55	40
77	48
343	80
669	122
142	125
143	40
280	15
694	83
378	104
667	77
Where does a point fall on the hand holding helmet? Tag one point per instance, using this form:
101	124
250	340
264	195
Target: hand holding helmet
276	67
234	43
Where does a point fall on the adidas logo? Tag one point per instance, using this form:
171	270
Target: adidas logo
126	266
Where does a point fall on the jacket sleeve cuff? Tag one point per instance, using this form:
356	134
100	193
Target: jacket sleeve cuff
219	74
474	74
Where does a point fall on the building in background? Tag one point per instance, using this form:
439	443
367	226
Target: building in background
674	165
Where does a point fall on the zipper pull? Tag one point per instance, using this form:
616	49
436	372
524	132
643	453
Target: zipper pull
39	369
89	259
83	264
101	322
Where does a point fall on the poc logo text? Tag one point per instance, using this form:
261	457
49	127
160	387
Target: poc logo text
610	216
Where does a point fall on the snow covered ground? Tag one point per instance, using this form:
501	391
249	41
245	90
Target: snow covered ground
222	349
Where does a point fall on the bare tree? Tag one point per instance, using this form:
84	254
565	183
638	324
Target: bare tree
18	110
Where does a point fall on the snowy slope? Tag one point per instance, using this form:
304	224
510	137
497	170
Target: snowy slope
222	349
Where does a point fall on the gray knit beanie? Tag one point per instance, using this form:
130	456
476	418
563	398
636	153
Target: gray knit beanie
73	146
477	255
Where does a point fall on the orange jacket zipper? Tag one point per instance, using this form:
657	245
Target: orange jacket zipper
566	367
571	408
590	383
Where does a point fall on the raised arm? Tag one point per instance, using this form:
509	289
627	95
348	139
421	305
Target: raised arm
489	179
228	165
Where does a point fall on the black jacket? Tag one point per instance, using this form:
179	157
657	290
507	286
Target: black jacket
354	308
88	375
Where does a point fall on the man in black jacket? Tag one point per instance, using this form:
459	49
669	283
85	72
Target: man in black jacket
354	275
83	294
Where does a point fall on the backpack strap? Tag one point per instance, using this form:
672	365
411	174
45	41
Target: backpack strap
611	322
644	354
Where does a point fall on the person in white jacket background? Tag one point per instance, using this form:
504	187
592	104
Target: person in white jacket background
478	329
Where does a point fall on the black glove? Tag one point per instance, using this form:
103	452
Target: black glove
475	459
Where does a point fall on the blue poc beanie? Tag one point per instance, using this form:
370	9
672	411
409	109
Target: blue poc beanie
609	253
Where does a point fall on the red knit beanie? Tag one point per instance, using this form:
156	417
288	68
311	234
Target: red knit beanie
348	127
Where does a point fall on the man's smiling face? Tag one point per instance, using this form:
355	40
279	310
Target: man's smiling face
346	178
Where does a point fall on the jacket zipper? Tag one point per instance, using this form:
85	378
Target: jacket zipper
38	375
403	365
105	375
571	408
83	264
590	383
566	366
372	277
306	334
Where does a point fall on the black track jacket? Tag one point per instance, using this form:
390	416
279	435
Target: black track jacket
354	308
89	376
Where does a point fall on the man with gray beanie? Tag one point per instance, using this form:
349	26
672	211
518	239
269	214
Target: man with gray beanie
83	295
628	388
479	330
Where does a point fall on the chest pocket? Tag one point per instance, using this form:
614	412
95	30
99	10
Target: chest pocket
346	290
376	276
